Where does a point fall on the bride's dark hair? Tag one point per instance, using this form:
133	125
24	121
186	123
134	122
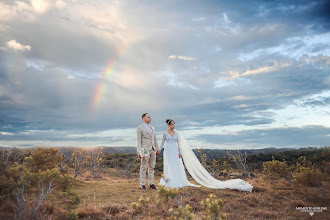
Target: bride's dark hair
168	121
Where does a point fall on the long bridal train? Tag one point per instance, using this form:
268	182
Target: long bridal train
202	176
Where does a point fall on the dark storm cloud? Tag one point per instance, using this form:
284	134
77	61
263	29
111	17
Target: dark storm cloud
289	12
279	137
272	90
11	124
54	135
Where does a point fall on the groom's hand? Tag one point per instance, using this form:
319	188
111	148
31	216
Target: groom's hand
158	153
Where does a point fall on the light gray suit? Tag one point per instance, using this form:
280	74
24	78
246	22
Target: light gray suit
145	141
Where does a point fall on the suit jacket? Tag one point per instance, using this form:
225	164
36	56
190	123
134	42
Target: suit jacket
144	141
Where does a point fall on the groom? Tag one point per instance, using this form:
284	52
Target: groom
147	148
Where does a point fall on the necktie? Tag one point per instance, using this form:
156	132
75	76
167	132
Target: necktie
150	130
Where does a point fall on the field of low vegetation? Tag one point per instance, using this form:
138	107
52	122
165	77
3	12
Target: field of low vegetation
52	183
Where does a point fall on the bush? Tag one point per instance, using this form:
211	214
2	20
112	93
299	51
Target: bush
29	181
141	205
306	173
181	213
274	169
164	193
213	206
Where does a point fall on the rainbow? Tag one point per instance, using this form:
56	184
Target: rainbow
101	88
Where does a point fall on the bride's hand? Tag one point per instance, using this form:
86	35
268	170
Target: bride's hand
180	155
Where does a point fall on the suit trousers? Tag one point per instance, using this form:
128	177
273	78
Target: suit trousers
148	163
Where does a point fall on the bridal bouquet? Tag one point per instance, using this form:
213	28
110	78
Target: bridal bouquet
144	152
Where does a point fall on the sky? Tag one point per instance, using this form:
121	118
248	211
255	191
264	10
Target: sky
232	74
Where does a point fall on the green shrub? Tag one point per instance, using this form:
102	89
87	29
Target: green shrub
181	213
141	205
306	173
277	169
213	206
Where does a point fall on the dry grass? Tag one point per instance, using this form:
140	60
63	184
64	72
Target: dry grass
269	200
111	197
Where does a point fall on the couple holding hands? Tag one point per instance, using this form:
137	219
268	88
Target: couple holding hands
176	151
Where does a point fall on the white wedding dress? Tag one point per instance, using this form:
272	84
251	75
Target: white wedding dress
174	172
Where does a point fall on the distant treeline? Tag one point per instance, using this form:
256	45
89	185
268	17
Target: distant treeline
255	157
315	155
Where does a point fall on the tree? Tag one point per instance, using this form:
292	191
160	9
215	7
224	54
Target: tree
29	182
8	155
41	159
78	161
32	188
122	163
240	161
94	161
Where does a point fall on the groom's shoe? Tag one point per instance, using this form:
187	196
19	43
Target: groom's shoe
143	187
152	186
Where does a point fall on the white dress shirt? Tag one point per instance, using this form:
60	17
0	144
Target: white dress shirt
148	128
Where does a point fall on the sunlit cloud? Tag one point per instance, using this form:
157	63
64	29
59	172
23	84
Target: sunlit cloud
6	133
175	57
12	44
60	4
241	106
261	70
15	11
41	6
241	98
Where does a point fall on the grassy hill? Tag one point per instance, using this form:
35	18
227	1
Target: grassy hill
111	196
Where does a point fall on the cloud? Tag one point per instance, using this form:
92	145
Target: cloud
295	47
15	10
6	133
221	83
320	59
261	70
322	97
241	98
173	80
279	137
41	6
241	106
54	137
327	81
60	4
198	19
175	57
12	44
213	67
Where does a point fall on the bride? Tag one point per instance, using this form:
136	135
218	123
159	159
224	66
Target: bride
177	149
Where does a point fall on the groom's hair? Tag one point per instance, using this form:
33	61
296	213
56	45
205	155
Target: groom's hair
144	115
